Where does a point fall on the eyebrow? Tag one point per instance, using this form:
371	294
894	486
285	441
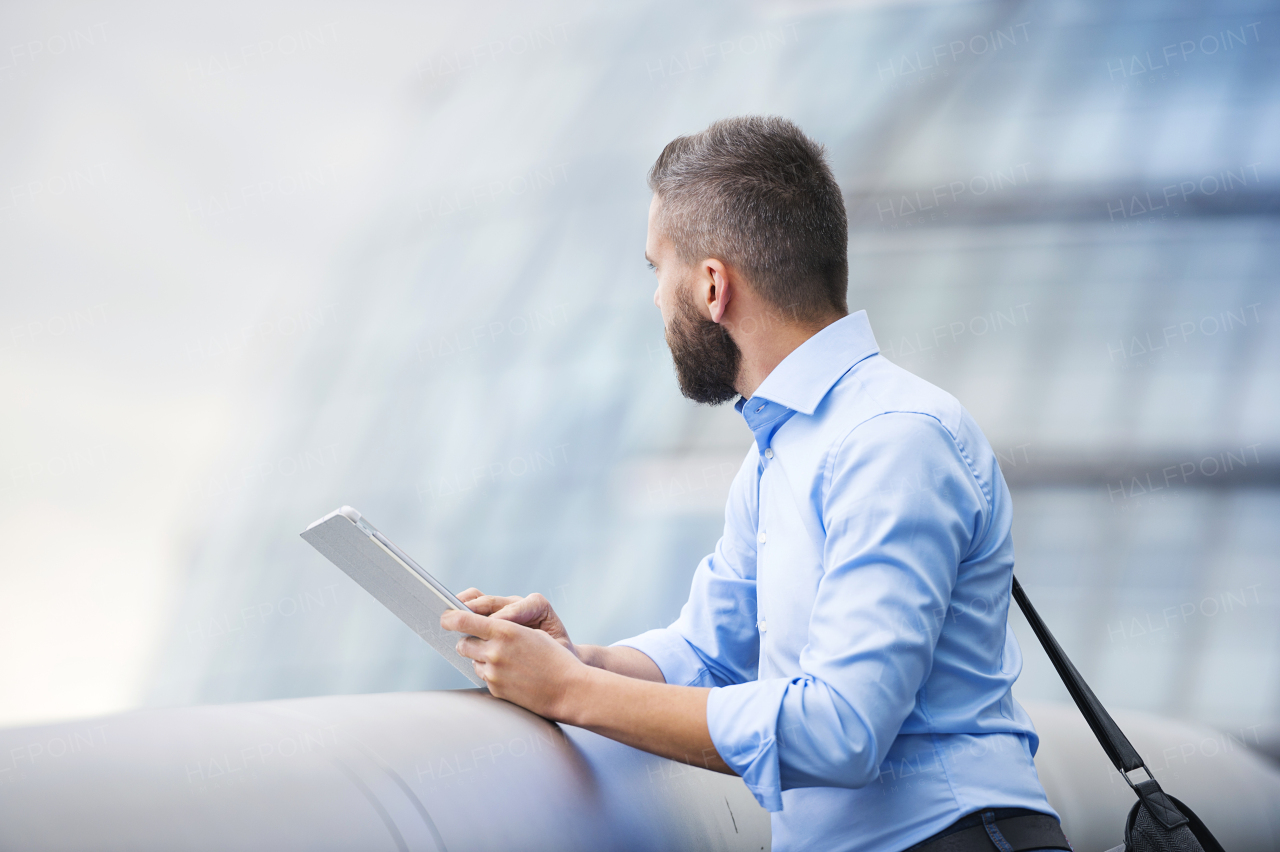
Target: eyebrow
646	257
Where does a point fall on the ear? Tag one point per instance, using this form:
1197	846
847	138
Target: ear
717	291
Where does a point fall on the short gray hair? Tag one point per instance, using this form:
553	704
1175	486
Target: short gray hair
758	194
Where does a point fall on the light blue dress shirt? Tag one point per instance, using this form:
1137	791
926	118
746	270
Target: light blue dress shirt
853	619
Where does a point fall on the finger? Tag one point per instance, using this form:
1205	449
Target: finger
529	610
472	648
470	593
489	604
467	622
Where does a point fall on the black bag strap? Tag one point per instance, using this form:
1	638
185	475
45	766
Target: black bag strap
1166	810
1117	746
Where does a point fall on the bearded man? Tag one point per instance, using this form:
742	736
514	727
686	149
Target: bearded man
846	648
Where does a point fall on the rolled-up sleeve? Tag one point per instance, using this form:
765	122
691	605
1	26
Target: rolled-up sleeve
900	509
714	642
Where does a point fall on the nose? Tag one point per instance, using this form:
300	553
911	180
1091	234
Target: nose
655	298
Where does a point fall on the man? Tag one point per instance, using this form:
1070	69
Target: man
845	649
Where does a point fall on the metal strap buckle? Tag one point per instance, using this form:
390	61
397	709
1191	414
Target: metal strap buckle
1129	781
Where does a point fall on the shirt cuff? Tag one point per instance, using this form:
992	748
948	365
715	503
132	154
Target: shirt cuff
743	722
674	656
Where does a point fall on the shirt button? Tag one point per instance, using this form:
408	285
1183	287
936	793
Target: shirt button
763	627
761	538
768	452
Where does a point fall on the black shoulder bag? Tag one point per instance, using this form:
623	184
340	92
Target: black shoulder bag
1158	821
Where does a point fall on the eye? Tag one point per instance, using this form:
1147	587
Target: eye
651	266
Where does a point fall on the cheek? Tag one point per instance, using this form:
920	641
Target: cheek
667	295
661	298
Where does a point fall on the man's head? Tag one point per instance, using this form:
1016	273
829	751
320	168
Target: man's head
747	227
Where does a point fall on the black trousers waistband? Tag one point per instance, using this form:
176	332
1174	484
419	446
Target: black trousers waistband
997	830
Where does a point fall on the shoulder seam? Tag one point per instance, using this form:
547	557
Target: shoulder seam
829	467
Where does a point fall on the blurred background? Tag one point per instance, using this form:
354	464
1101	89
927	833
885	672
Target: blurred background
262	260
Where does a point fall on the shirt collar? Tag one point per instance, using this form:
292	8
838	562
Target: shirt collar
803	378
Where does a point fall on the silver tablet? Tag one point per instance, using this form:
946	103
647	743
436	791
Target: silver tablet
385	571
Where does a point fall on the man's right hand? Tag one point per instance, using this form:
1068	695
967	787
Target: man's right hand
532	611
535	611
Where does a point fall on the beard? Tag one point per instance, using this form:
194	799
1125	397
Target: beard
705	356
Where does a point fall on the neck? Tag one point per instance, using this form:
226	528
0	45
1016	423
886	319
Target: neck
762	353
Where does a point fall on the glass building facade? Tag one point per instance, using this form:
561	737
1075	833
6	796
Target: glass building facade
1063	213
